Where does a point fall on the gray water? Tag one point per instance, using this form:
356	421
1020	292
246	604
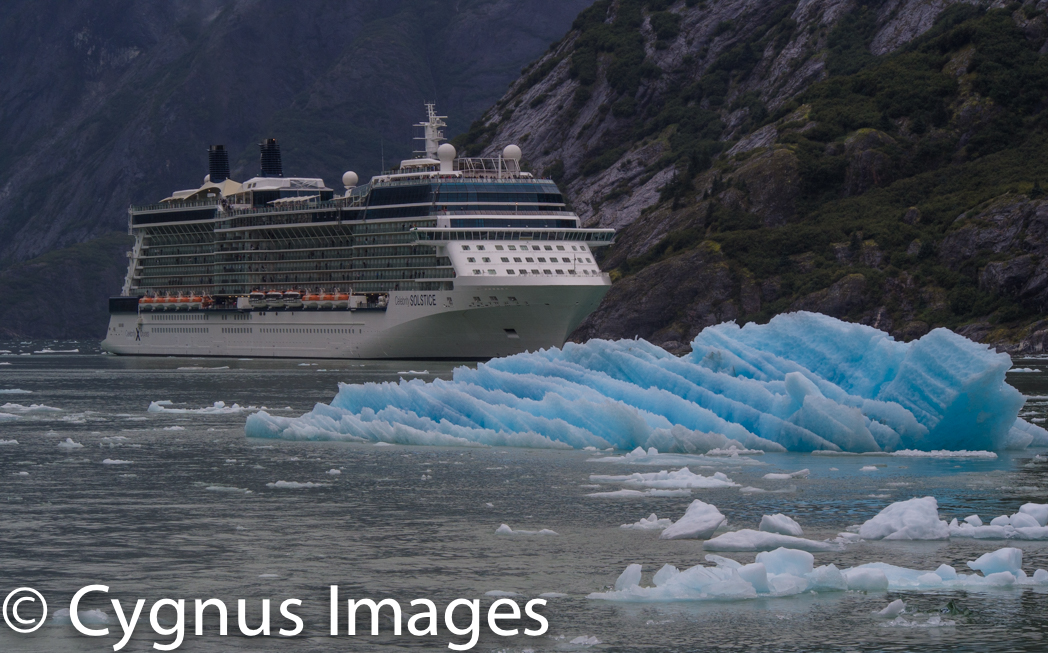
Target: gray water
413	522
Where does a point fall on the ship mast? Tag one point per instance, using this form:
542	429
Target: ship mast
432	129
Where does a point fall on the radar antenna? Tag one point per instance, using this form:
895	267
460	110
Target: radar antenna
433	134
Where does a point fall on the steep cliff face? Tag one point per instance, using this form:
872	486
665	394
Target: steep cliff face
108	103
826	155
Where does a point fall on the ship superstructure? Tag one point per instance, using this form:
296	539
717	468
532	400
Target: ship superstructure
441	257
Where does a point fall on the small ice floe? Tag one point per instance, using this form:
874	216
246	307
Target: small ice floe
750	540
553	595
21	473
934	621
384	444
57	351
506	530
200	367
174	428
489	505
427	477
637	494
943	453
1027	524
87	617
218	408
801	473
585	640
757	490
893	609
334	472
913	519
15	391
682	478
500	593
780	524
868	468
699	522
69	445
7	417
295	485
1027	370
111	461
226	488
649	523
6	443
269	575
415	372
32	409
715	456
230	461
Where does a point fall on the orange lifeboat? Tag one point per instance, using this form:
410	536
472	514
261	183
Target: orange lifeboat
327	300
341	300
311	300
196	301
146	303
168	302
182	302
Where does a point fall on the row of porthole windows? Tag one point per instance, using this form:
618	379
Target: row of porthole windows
237	330
525	248
180	330
528	259
524	273
305	330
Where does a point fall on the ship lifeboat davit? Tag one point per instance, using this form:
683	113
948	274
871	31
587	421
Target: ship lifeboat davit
182	302
327	300
311	300
167	302
293	299
274	299
341	300
257	299
195	302
146	303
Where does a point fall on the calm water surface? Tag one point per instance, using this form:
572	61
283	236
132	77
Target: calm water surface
414	522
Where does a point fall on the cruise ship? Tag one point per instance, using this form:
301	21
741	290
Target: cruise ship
443	257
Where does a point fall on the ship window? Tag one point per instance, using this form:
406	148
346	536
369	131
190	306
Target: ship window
516	259
560	271
571	272
548	248
487	260
465	248
510	272
491	272
498	247
494	299
471	260
534	271
588	261
512	248
524	272
476	272
504	260
529	259
542	260
574	249
560	248
480	248
547	272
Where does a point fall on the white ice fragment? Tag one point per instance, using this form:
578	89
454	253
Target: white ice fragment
218	408
780	523
866	580
6	443
1038	511
893	609
787	561
682	478
1003	520
914	519
946	572
756	574
553	595
111	461
1008	559
649	523
506	530
721	561
1040	577
944	453
295	485
15	391
663	575
584	640
803	473
226	488
1023	520
69	445
868	468
500	593
630	577
827	578
750	540
489	505
974	520
637	494
334	472
699	522
87	617
174	428
21	473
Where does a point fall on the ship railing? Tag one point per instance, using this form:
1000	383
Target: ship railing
172	206
384	183
598	237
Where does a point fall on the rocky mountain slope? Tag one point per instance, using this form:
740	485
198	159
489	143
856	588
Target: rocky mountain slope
880	161
109	103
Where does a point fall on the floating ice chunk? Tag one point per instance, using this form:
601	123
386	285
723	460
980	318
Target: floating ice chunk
974	520
665	574
506	530
893	609
946	572
57	351
553	595
756	490
680	479
630	577
584	640
8	442
1038	511
4	417
15	391
384	444
87	617
943	453
914	519
699	522
751	540
1008	559
31	409
827	578
1022	369
866	580
649	523
111	461
22	474
934	621
69	445
334	472
803	473
1040	577
781	524
1023	520
756	574
500	593
787	561
226	488
734	451
295	485
868	468
218	408
174	428
637	494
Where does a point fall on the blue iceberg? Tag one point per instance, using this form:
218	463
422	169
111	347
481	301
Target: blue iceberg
802	382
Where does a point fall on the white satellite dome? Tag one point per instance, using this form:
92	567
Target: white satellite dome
511	152
207	178
446	153
350	179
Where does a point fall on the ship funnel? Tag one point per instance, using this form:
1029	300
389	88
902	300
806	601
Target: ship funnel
270	160
217	164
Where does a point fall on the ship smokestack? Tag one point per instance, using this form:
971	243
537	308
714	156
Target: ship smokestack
270	159
218	163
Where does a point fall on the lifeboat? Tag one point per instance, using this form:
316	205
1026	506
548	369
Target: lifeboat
257	299
167	302
195	302
274	299
311	300
327	300
293	299
341	300
181	302
146	303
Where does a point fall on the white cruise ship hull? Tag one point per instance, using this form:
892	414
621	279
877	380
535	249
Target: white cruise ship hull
471	322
